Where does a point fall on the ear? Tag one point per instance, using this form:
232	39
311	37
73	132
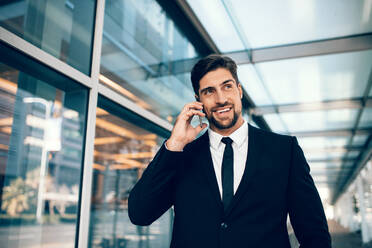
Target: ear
197	97
240	90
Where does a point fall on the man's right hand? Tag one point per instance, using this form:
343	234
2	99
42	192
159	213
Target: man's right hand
183	133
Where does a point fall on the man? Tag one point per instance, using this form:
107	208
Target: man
235	185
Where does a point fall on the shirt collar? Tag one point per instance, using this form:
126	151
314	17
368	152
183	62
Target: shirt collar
238	136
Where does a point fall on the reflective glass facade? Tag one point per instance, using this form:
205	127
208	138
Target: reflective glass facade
42	131
141	45
122	150
63	29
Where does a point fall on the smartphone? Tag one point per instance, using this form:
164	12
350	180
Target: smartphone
201	118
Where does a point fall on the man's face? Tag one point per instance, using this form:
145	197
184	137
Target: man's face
221	98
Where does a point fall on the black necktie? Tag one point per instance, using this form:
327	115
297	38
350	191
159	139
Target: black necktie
227	173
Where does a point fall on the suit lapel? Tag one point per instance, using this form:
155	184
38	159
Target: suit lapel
206	162
250	167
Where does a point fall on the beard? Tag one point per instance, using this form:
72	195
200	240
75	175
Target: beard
220	125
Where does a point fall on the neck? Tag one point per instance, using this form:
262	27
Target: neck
228	131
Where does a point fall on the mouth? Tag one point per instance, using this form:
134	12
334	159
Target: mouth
223	111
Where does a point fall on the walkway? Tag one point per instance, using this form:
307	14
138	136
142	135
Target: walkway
342	237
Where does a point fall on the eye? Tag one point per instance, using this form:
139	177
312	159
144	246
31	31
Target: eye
228	86
208	91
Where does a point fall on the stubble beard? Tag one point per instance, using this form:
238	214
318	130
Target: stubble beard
221	126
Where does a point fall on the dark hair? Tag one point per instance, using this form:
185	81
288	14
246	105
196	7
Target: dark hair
210	63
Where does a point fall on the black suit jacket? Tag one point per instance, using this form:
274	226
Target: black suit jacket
276	182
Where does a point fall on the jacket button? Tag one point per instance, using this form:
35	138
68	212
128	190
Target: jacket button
223	225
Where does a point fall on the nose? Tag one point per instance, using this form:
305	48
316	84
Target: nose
220	97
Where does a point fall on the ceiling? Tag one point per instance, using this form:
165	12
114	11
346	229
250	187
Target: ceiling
306	69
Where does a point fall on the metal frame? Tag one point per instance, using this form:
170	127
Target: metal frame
117	98
87	178
356	103
331	160
344	182
39	55
184	17
95	88
329	133
314	48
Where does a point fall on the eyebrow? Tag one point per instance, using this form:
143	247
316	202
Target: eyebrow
224	82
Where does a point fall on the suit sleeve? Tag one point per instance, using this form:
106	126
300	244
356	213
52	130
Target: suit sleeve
305	207
153	193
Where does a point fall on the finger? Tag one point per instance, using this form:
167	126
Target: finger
193	105
193	112
200	128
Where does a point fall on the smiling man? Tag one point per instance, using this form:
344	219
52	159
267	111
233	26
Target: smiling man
235	185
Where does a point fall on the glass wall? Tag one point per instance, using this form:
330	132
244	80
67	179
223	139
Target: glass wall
141	46
354	208
122	150
42	131
62	28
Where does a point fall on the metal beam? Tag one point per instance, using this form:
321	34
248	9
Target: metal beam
363	157
333	149
180	12
314	48
356	103
338	132
330	46
330	160
333	167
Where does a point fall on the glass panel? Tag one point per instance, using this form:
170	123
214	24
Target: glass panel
366	178
320	155
324	155
353	154
323	178
122	150
366	118
322	142
319	120
318	78
293	21
141	47
359	140
326	171
329	165
331	155
275	123
216	21
62	28
252	85
42	129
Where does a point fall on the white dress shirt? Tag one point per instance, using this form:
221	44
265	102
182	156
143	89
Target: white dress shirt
240	148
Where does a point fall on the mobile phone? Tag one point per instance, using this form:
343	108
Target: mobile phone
200	118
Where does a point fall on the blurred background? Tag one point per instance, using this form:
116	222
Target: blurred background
89	91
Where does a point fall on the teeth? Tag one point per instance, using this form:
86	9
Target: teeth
223	110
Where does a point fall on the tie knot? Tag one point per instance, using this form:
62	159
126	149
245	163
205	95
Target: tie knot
227	140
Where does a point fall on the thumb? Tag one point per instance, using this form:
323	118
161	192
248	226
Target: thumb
200	128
